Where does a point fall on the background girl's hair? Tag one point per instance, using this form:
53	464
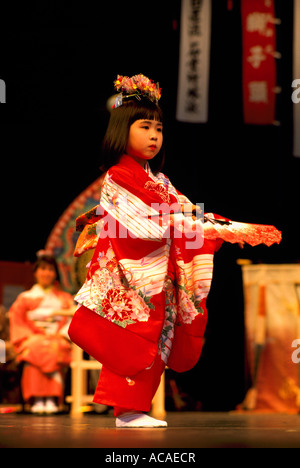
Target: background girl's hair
48	260
116	137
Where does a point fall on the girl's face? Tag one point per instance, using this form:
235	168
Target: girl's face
145	140
45	275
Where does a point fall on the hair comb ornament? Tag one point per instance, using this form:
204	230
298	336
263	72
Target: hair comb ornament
137	86
44	253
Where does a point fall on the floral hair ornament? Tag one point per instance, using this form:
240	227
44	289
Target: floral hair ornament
137	86
44	253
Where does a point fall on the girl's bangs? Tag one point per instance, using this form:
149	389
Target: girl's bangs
146	111
147	114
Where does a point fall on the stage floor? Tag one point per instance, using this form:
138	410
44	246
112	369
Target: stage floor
186	430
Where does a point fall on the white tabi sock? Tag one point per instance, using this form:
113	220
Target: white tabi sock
133	419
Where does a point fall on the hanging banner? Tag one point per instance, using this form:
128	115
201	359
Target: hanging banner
194	61
259	63
296	80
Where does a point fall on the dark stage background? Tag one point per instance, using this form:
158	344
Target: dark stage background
59	60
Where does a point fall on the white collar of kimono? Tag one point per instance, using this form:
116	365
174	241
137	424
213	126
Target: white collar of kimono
37	290
149	172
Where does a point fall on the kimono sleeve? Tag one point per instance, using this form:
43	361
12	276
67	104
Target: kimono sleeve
140	212
20	326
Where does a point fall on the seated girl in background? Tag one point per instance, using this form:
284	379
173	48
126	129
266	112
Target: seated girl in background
39	321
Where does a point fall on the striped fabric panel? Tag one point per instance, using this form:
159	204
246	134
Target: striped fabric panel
83	296
148	274
199	273
131	212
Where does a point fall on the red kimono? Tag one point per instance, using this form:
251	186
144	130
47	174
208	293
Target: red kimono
143	305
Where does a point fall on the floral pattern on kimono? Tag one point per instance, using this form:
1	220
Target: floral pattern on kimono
143	276
115	300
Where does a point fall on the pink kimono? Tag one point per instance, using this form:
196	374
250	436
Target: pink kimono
41	340
143	305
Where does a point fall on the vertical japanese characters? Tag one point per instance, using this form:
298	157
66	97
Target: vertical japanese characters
2	92
194	61
259	61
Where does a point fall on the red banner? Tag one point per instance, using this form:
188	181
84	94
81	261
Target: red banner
259	63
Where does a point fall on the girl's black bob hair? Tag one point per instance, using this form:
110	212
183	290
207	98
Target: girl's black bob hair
116	137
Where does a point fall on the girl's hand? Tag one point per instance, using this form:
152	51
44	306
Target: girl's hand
192	210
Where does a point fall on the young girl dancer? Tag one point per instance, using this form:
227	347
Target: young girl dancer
143	305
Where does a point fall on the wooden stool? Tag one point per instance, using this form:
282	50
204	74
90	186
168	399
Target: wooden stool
79	367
